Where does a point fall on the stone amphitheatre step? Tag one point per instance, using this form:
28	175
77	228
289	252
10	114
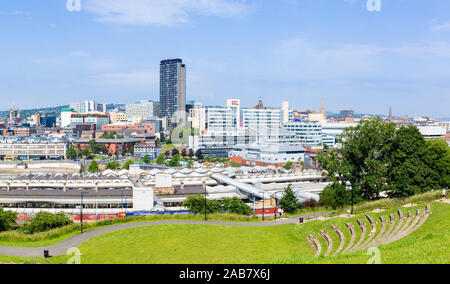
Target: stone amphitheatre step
392	223
401	220
352	236
362	226
373	231
380	234
329	241
391	238
341	238
315	244
406	226
422	219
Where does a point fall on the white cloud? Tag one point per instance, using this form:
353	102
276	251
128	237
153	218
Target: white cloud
442	27
161	12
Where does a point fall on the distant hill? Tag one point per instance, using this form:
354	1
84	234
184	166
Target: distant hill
26	113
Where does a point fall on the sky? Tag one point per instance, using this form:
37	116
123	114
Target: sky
345	52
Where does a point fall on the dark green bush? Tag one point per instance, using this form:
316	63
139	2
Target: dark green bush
45	221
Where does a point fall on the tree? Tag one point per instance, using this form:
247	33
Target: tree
175	161
363	158
112	165
407	170
288	165
7	220
93	167
196	204
146	159
235	205
199	154
175	152
335	196
289	202
127	164
438	161
161	160
71	153
45	221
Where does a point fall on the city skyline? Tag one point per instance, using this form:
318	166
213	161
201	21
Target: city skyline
349	56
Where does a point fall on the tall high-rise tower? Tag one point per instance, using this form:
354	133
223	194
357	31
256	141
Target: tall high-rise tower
172	91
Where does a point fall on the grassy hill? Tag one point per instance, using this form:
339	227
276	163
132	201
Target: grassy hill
278	244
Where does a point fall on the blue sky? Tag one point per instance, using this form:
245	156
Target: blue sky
302	51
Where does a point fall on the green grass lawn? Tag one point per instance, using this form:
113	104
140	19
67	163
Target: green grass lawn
200	244
54	236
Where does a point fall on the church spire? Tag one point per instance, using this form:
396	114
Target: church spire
390	115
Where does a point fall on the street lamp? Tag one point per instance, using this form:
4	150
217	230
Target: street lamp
204	187
264	209
81	211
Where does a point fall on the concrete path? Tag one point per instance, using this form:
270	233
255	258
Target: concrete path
75	241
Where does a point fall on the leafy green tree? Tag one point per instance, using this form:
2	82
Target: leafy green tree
288	165
363	158
407	170
196	204
93	167
438	161
71	153
175	161
235	205
113	165
289	202
199	154
7	220
161	160
127	164
45	221
146	159
335	196
175	152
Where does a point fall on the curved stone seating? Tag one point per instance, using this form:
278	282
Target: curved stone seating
401	220
329	241
396	231
341	238
380	234
315	244
362	226
373	225
352	236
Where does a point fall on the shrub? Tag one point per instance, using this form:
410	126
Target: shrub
310	204
235	205
45	221
7	220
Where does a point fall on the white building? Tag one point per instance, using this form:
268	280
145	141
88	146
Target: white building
142	109
308	132
234	118
432	131
88	106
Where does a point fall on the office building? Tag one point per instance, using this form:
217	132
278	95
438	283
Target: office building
173	91
142	109
347	113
